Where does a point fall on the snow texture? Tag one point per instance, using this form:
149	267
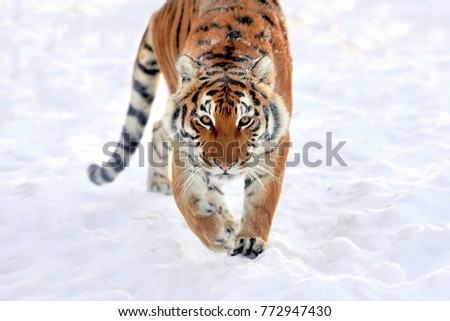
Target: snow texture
374	73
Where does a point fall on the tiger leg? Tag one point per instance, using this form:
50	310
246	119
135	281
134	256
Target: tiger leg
159	154
262	193
202	202
145	80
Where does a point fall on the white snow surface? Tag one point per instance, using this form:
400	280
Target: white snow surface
374	73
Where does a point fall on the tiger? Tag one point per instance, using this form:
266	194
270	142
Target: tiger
228	68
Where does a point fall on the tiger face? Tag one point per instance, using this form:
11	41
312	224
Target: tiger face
228	116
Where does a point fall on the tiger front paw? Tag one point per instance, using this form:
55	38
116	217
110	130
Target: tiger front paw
222	239
250	247
216	232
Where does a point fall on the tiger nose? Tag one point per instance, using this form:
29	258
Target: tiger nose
223	166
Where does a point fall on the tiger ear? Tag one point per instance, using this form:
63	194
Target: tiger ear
262	68
187	68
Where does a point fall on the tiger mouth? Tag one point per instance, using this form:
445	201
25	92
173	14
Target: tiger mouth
232	173
228	176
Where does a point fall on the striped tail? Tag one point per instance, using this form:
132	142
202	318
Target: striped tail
145	80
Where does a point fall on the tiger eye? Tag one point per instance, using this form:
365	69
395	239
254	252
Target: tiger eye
244	121
206	121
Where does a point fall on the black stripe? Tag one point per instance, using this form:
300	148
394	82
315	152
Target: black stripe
214	72
104	175
205	159
193	126
156	150
175	116
148	47
258	91
256	101
247	107
183	115
213	25
207	53
229	50
185	134
139	114
119	164
216	189
260	35
250	250
238	250
212	92
266	116
234	35
148	71
228	57
221	64
238	73
141	90
130	143
248	182
203	86
219	80
237	83
193	162
195	97
92	170
225	80
276	121
245	20
166	146
265	17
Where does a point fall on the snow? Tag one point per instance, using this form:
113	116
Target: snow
374	73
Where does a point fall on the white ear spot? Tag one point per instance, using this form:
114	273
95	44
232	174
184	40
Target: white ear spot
187	67
262	67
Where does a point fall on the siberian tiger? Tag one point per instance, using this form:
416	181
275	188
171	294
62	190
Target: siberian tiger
228	69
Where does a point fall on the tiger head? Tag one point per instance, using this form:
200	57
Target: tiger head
229	116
